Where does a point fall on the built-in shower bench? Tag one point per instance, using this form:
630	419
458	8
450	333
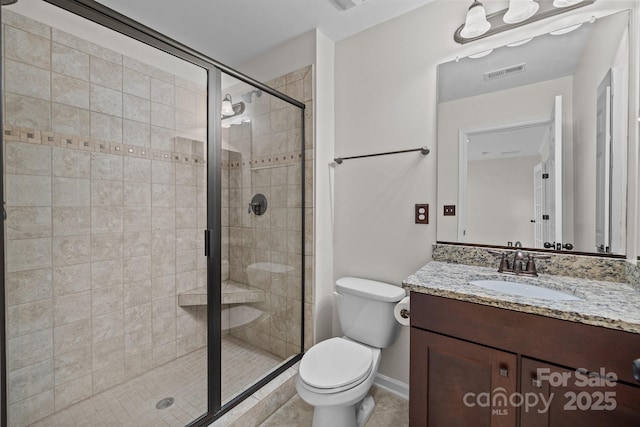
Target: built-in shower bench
232	293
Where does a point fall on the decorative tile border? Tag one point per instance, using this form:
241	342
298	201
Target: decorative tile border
74	142
55	139
271	160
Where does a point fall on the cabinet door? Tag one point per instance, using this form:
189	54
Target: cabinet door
455	383
575	399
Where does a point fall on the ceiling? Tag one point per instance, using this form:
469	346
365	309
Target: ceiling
514	141
234	31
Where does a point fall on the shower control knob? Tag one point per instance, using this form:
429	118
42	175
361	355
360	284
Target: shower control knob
258	204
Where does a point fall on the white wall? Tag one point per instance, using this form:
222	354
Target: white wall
385	100
500	196
324	107
292	55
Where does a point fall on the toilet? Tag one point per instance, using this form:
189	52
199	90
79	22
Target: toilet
335	375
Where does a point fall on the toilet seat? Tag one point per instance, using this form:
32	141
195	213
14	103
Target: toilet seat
335	365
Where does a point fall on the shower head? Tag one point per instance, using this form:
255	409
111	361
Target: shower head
8	2
247	97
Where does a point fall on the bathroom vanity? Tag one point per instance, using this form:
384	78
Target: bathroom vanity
486	358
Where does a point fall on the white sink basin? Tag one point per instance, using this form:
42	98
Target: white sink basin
521	289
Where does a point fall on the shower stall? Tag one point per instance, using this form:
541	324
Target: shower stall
154	225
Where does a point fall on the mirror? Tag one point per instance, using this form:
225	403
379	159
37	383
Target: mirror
532	141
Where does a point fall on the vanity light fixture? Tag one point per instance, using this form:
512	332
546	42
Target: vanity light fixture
229	109
478	24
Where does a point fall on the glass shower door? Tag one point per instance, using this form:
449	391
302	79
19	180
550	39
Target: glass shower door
261	234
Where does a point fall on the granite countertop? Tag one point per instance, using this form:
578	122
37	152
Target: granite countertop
607	304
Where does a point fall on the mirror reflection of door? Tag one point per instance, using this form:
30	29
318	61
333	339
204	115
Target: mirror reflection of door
603	166
538	194
511	180
553	168
609	147
497	183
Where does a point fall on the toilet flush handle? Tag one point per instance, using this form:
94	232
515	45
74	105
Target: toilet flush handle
338	298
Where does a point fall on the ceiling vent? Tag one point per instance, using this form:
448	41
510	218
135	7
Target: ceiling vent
346	4
503	72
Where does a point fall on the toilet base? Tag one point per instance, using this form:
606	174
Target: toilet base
344	416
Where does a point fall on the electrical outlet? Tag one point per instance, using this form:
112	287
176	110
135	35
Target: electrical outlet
422	214
449	210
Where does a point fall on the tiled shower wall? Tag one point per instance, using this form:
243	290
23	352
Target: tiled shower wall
265	251
105	196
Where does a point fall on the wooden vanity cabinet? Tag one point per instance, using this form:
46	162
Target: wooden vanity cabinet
463	353
456	374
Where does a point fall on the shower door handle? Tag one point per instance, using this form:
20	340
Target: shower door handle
207	242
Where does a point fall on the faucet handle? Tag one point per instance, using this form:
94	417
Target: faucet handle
531	266
504	262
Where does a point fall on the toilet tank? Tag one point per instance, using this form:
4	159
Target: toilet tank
365	310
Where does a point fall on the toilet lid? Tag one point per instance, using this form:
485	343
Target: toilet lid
334	363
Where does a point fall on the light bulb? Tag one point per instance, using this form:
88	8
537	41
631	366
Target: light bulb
227	108
481	54
565	30
520	10
476	22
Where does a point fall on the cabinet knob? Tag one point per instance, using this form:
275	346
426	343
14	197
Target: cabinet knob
537	383
636	369
504	372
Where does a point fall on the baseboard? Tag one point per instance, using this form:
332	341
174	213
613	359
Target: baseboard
396	387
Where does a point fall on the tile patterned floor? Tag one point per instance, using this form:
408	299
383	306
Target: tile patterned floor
132	404
390	411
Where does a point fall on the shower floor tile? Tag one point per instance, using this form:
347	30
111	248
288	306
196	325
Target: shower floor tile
133	403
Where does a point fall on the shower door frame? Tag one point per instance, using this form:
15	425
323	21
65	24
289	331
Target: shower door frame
104	16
